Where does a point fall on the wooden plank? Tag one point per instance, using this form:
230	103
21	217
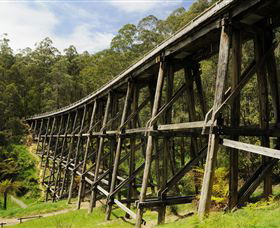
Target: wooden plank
273	153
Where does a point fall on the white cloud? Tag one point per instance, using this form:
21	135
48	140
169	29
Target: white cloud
83	39
26	25
139	6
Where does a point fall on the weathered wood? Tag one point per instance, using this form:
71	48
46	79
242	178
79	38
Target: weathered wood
58	176
100	151
76	155
167	141
44	142
39	136
255	182
119	147
273	153
71	145
132	158
235	116
48	150
149	148
51	177
263	103
205	200
82	180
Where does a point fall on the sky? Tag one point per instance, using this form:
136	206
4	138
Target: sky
89	25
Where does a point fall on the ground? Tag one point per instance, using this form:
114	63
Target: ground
261	214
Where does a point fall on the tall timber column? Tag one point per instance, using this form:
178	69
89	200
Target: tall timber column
118	150
60	161
82	181
39	136
76	157
167	143
99	153
149	148
213	142
235	116
263	104
52	171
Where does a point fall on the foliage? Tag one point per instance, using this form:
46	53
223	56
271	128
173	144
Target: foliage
18	165
220	185
8	187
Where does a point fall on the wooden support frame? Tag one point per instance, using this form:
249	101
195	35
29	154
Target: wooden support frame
149	148
99	134
205	200
100	151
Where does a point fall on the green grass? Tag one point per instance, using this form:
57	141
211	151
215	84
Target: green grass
33	209
261	214
10	204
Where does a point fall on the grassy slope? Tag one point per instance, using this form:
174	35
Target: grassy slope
33	209
255	215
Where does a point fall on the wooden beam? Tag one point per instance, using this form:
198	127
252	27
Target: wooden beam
149	148
235	116
100	151
273	153
206	193
119	147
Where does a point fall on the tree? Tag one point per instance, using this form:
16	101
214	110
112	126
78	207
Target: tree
8	187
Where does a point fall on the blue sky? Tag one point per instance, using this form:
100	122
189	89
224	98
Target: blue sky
87	24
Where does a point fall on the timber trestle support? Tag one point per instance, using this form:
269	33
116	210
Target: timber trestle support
127	144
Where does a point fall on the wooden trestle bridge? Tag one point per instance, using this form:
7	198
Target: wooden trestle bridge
112	143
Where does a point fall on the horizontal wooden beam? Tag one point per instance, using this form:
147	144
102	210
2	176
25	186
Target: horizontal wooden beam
251	148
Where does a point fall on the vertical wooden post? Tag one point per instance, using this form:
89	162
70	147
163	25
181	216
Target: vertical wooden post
82	181
44	142
54	157
213	143
100	151
48	150
69	152
235	116
263	105
58	176
167	145
119	147
39	135
132	165
189	79
199	88
76	158
149	148
273	78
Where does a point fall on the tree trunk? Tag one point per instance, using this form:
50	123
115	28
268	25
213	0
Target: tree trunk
5	200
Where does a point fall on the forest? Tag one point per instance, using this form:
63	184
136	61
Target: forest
37	80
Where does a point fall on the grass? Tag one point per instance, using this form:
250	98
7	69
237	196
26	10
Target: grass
10	204
33	209
261	214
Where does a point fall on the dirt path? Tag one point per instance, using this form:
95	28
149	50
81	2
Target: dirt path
18	202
